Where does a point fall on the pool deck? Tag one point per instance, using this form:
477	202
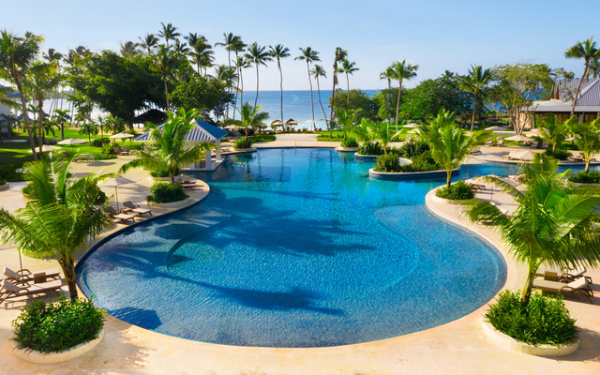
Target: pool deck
460	346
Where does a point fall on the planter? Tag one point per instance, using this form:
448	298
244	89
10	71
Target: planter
508	342
405	176
346	149
244	150
181	203
367	157
58	357
4	187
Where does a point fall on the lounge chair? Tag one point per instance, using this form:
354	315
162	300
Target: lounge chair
122	218
189	186
476	151
567	274
10	290
136	208
488	142
500	141
25	275
579	287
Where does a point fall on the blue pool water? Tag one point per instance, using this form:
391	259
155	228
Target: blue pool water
296	248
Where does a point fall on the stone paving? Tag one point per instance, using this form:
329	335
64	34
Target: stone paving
459	347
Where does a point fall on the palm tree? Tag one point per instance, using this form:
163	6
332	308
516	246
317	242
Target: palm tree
340	54
587	51
317	72
61	116
587	139
148	42
168	32
346	120
61	216
553	131
229	44
238	47
201	50
448	143
88	128
348	67
53	56
552	224
594	69
169	153
309	55
17	56
251	117
240	64
279	52
164	62
475	80
258	56
380	131
129	49
401	71
388	74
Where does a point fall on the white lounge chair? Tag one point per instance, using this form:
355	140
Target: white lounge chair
10	290
579	287
26	275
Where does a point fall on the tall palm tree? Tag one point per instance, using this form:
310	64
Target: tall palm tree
401	71
238	47
241	63
310	56
279	52
169	152
168	32
587	51
229	44
587	139
348	68
17	56
202	52
388	74
449	144
473	82
552	224
129	49
61	116
164	62
340	54
319	71
258	55
149	42
61	217
53	56
180	49
594	69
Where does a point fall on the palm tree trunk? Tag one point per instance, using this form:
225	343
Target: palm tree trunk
312	104
26	118
323	109
526	293
587	163
229	62
348	100
449	179
241	87
587	64
69	271
40	127
280	87
166	90
257	82
398	102
474	106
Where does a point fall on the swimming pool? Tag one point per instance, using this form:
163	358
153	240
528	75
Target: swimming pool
296	248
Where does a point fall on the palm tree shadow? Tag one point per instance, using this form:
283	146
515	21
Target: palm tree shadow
588	348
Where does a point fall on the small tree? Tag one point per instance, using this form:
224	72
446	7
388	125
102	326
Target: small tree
553	131
587	139
251	117
346	120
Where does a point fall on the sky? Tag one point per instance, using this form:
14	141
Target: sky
437	35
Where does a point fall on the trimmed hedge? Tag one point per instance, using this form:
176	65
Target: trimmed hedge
165	192
243	143
57	326
387	163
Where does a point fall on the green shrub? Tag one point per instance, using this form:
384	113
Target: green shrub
263	138
9	173
387	163
165	192
162	172
243	143
2	182
413	148
559	153
593	177
108	149
349	142
421	163
544	320
104	156
370	148
458	191
100	142
58	325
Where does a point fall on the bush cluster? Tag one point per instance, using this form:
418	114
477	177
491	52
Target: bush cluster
413	148
243	143
349	142
58	325
263	138
370	148
108	149
458	191
2	182
165	192
100	142
387	163
544	320
421	163
9	173
559	153
592	177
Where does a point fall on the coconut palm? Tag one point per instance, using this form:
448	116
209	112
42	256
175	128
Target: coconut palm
238	47
347	120
475	80
348	68
449	144
169	152
401	71
552	131
552	224
319	71
240	64
340	54
164	62
587	51
168	32
17	56
229	44
149	42
380	131
202	52
258	56
310	56
388	74
89	128
53	56
62	216
587	139
129	49
279	52
594	69
251	117
61	116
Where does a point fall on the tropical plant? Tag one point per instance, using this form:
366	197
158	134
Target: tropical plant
164	62
258	55
168	32
62	215
251	117
17	56
61	116
169	152
348	68
148	42
587	139
476	79
346	121
202	52
317	72
381	132
310	56
553	224
587	51
448	143
388	74
279	52
340	54
458	191
129	49
401	71
552	131
88	128
165	192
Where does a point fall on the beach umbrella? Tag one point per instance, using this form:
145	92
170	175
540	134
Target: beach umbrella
292	122
121	136
519	138
116	181
313	121
72	141
277	123
46	148
525	155
500	128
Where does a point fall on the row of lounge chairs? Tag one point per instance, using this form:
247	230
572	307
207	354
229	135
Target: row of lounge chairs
127	213
565	281
24	283
187	184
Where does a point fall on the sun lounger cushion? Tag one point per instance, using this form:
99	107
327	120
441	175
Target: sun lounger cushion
7	285
10	273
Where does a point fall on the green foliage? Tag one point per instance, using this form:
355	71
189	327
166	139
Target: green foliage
433	94
202	94
559	153
161	172
370	148
263	138
544	320
413	148
421	163
458	191
100	142
387	163
359	100
165	192
349	142
9	173
592	177
108	149
57	326
243	143
2	182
